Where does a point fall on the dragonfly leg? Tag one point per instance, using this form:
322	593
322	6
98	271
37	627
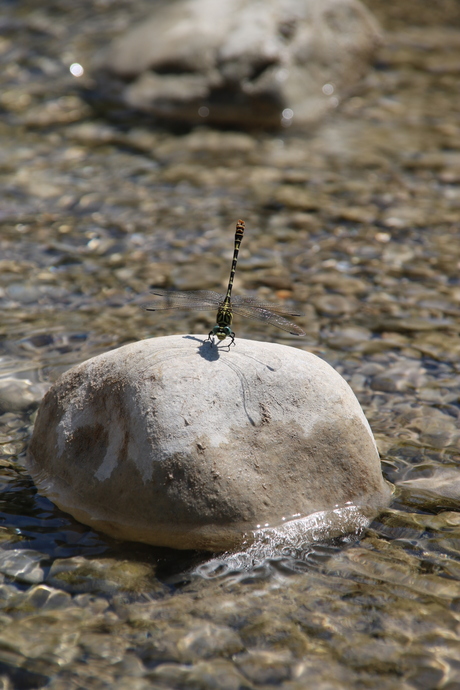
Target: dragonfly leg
221	333
230	335
210	338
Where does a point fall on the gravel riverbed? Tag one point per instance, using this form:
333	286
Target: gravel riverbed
358	221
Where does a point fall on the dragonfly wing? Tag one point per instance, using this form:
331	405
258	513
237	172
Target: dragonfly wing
190	299
262	313
251	302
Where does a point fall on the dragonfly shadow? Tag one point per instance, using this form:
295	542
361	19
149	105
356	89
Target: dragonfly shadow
207	349
236	361
211	352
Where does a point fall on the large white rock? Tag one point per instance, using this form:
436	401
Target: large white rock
175	442
243	62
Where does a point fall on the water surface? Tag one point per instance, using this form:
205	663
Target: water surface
359	222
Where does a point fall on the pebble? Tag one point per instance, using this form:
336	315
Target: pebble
209	641
335	305
217	674
444	482
355	337
46	598
81	575
265	667
23	565
399	377
63	110
18	395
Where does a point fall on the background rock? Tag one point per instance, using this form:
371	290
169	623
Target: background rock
177	443
19	394
243	62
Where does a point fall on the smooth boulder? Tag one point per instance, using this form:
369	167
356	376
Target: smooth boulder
241	63
176	442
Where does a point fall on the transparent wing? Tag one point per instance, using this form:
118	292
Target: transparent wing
190	299
276	308
202	300
262	313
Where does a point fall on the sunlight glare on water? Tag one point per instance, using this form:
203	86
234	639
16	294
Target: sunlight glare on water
76	69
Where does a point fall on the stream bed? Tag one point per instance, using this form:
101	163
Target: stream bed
357	221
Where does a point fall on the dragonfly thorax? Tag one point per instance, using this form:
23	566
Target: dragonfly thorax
224	315
224	319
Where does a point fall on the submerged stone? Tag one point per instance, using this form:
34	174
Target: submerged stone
176	442
242	62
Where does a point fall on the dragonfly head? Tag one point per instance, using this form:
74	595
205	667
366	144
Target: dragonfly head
222	332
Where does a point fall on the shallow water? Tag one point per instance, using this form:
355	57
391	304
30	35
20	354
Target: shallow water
359	222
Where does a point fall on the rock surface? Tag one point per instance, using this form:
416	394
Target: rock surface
175	442
244	62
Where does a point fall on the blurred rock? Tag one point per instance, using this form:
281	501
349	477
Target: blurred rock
23	565
335	305
56	112
443	485
46	598
17	395
209	641
242	62
175	442
265	667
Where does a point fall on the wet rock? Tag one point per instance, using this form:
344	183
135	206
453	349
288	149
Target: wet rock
39	644
346	285
23	565
403	376
433	427
209	641
79	574
170	674
132	668
8	592
266	667
63	110
296	198
244	63
17	395
352	337
21	677
289	538
176	442
383	655
335	305
104	646
217	674
44	597
443	483
187	278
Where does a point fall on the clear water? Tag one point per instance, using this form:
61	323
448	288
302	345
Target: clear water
359	221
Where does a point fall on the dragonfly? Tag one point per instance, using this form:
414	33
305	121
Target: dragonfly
226	305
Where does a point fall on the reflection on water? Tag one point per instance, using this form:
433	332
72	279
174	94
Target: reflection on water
358	221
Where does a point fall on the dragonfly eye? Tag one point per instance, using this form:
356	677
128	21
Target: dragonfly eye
222	332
